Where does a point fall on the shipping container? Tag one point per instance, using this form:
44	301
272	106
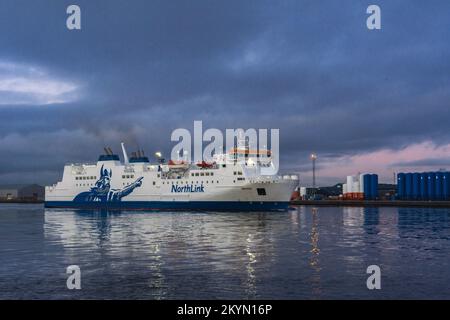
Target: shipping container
446	186
355	187
350	183
438	185
366	184
415	186
431	185
408	186
401	186
361	183
374	186
423	186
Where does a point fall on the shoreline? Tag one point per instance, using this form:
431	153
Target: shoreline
323	203
16	201
373	203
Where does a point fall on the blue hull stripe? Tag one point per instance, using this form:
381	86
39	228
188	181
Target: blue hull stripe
173	205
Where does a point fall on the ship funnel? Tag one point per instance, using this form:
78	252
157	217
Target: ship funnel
125	156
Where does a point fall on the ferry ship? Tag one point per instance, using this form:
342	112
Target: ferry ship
231	182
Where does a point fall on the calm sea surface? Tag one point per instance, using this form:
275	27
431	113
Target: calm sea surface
305	253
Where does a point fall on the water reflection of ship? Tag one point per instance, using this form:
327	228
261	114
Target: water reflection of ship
93	237
171	241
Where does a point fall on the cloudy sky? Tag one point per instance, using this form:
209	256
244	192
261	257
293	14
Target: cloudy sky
363	100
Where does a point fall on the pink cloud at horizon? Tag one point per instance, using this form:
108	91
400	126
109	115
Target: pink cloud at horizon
413	158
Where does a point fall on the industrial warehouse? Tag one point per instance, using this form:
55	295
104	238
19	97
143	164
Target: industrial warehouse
411	189
21	193
408	189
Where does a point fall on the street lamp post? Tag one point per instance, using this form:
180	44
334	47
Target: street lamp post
313	159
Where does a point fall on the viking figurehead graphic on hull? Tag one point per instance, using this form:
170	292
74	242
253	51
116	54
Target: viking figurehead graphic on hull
102	191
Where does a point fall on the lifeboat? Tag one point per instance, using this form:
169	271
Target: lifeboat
205	165
177	164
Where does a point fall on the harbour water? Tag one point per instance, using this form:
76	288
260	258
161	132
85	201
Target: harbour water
304	253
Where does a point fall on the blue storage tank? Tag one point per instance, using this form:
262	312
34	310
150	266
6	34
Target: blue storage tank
366	181
438	185
430	185
408	186
415	186
446	185
401	186
423	186
374	186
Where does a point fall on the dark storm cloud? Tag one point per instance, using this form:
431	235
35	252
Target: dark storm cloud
143	68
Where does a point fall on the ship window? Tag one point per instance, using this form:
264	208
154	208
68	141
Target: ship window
202	174
192	174
224	166
154	183
206	173
240	173
196	174
212	173
234	172
261	191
